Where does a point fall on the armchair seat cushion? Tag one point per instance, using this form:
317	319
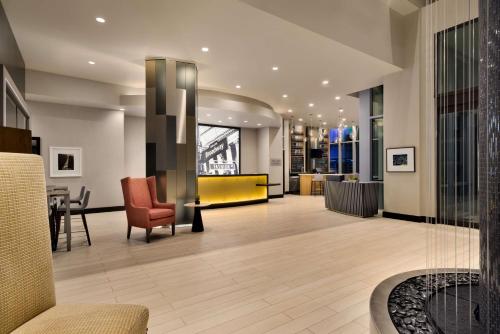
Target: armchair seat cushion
160	213
84	319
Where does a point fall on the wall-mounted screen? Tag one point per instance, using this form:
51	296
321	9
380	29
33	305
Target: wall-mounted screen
218	150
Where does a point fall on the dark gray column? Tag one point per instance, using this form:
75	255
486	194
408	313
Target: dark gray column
489	158
171	122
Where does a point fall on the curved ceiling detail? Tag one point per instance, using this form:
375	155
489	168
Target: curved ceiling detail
221	108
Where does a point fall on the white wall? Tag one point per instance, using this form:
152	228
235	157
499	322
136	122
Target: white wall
99	133
276	153
248	152
270	146
402	191
135	146
263	150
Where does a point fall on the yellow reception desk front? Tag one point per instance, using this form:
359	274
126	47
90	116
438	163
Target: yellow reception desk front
232	190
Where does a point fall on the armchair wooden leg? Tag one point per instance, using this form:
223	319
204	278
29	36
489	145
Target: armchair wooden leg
129	229
148	233
173	229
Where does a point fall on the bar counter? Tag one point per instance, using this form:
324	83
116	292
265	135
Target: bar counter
232	190
305	182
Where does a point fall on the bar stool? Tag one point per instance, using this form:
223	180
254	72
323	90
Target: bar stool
317	184
75	210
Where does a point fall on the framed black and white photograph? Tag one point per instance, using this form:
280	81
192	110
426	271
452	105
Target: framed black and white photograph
400	159
65	161
218	150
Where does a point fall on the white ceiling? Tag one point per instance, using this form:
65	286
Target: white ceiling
61	36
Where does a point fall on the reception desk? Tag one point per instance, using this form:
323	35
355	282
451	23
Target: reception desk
233	190
352	198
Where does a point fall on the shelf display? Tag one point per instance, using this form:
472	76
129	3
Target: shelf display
321	161
297	152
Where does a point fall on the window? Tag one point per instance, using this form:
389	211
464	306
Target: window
377	108
377	133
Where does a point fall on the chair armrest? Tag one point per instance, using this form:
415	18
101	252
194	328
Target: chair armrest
159	205
138	214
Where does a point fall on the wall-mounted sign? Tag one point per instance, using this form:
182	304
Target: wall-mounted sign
275	162
215	149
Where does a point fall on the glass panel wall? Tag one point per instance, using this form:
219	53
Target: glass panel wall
10	113
14	116
377	108
377	130
457	104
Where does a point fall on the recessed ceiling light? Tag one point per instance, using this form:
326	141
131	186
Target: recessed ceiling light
245	121
337	97
219	121
91	62
324	123
325	82
285	96
343	119
319	115
205	49
208	115
258	124
275	68
229	117
311	105
290	110
100	19
122	109
238	86
341	110
300	119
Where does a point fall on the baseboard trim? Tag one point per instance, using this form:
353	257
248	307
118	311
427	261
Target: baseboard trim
105	209
402	216
276	196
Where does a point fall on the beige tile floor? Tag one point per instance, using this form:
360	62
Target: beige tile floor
289	266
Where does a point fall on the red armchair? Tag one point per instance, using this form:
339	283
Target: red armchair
142	206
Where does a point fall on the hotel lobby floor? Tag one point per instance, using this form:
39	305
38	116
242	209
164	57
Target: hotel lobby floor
289	266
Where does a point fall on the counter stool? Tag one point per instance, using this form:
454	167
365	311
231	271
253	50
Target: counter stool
317	184
75	210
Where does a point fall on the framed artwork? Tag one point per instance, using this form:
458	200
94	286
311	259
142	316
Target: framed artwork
65	161
400	159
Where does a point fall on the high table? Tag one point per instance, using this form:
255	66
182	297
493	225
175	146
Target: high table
197	220
54	192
